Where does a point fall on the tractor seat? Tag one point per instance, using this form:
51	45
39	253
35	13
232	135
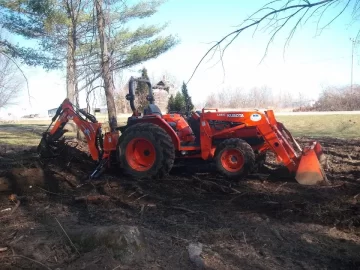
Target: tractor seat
152	109
194	123
173	125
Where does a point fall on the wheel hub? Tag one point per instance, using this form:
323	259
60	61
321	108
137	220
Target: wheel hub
232	160
140	154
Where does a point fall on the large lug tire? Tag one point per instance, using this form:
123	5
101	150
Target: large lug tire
145	150
234	158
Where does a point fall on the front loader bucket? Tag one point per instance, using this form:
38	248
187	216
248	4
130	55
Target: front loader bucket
310	169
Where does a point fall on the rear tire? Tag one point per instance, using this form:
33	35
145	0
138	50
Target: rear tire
234	158
145	150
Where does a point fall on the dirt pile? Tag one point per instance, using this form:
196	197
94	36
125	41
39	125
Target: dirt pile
264	222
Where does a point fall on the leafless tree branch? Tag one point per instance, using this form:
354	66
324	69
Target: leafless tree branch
9	81
291	9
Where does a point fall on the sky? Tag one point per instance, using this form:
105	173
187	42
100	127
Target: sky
310	63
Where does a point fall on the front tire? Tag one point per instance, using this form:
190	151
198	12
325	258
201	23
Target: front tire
146	150
234	158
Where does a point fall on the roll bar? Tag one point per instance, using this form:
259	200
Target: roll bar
131	95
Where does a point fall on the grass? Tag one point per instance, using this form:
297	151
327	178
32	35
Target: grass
19	134
13	138
28	133
335	126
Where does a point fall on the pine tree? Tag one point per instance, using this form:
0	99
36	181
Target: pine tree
189	106
171	104
127	47
28	19
95	45
179	102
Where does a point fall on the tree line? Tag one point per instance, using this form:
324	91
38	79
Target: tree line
332	98
255	97
335	98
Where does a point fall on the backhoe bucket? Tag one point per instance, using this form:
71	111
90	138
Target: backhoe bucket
310	169
48	149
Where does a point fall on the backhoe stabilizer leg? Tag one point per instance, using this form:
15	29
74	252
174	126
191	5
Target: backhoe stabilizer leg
310	170
99	170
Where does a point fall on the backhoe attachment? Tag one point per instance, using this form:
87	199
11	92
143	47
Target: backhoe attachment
52	139
100	145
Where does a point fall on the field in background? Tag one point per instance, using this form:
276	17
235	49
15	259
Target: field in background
21	134
335	126
28	132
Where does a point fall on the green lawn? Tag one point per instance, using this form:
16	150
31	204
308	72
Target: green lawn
22	138
28	132
23	134
336	126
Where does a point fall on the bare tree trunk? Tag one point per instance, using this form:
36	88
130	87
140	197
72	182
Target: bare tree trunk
70	68
105	66
71	76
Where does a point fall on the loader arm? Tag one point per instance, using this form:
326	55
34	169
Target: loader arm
86	122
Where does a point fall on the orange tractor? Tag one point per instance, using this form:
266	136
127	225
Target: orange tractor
150	142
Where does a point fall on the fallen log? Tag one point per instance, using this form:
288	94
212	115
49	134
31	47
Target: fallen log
92	198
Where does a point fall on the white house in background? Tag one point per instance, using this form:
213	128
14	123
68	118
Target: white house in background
52	112
101	110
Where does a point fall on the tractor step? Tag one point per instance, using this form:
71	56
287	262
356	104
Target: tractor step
192	144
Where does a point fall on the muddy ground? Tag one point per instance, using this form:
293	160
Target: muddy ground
266	221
